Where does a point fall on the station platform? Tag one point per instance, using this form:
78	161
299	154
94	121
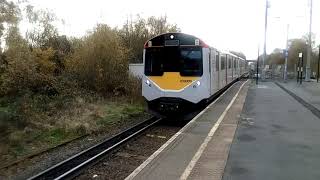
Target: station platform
251	132
308	91
200	149
277	138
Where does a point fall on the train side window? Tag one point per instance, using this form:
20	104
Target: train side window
217	61
223	59
229	62
210	60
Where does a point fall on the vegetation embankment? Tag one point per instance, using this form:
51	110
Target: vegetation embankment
54	88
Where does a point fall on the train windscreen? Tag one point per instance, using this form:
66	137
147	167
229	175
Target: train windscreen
186	60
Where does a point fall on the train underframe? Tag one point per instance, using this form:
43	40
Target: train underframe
171	106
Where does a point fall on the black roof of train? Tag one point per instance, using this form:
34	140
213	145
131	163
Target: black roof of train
184	39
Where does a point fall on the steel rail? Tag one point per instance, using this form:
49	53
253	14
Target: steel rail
74	165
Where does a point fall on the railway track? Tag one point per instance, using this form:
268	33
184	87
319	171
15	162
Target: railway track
74	165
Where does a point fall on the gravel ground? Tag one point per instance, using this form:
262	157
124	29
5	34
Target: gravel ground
36	164
129	156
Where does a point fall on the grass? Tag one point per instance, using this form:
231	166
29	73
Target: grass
55	136
18	150
8	116
115	112
21	143
70	122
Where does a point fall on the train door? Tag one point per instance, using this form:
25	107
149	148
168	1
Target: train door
232	67
236	68
213	72
218	79
226	68
241	64
210	71
223	73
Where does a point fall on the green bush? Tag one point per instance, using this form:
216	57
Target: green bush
100	62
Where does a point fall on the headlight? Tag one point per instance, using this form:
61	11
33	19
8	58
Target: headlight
148	83
197	84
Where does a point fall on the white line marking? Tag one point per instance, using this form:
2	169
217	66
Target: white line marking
155	154
203	146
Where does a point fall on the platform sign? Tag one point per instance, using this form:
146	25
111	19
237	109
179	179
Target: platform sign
285	53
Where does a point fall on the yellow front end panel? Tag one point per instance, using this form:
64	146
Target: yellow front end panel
173	81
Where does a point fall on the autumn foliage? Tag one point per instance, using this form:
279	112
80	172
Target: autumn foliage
43	73
100	61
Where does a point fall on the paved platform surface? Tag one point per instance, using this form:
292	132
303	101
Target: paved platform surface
277	139
308	91
200	149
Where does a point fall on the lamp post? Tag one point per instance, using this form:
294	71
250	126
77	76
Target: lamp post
318	65
286	56
301	66
265	38
257	77
308	69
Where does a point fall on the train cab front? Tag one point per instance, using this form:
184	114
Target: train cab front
174	80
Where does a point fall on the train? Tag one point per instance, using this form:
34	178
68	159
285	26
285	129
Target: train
182	72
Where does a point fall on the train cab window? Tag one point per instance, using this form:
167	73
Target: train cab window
153	62
186	60
191	61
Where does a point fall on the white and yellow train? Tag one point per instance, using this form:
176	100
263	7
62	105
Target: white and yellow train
181	72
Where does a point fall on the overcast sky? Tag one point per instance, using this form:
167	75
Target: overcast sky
224	24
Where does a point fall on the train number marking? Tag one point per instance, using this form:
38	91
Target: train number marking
185	81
